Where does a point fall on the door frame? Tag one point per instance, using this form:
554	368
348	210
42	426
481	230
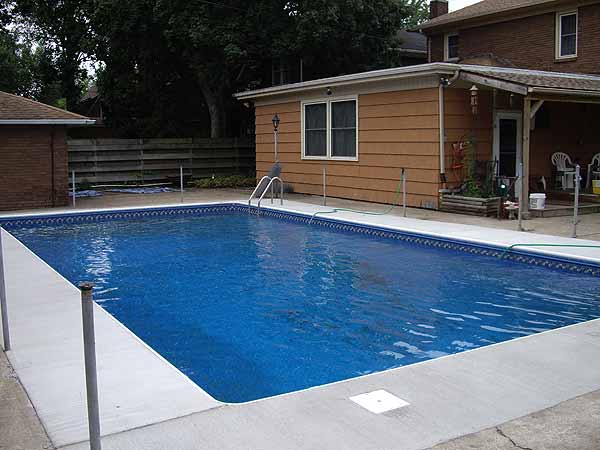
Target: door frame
518	116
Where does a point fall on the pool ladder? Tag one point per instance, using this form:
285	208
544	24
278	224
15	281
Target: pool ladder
272	189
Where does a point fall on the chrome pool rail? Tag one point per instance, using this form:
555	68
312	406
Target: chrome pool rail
269	185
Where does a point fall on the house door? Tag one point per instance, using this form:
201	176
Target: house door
508	130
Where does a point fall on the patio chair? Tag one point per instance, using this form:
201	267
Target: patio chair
593	172
565	170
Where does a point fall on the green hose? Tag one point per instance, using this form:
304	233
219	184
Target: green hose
387	211
546	245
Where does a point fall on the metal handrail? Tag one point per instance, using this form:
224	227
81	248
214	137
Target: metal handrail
266	177
270	185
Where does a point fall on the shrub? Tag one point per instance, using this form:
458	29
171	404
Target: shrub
233	181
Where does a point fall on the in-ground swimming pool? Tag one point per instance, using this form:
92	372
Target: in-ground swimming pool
249	307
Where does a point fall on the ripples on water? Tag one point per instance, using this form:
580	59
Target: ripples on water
251	307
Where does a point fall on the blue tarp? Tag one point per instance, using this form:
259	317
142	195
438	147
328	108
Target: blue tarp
146	190
89	193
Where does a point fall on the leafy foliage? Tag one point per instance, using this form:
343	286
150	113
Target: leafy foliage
161	63
234	181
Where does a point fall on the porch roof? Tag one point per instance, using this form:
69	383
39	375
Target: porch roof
534	81
520	81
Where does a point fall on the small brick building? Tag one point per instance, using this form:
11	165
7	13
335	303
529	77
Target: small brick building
33	153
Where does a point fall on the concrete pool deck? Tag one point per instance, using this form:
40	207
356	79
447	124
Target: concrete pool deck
448	397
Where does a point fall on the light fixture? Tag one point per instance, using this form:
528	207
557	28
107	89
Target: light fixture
329	91
474	100
276	122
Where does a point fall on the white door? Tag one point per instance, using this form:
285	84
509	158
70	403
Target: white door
508	150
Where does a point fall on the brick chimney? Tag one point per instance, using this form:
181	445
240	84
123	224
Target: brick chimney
437	8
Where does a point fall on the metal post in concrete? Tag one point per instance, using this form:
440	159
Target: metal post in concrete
404	192
89	352
3	307
276	144
324	185
73	186
521	197
181	182
576	202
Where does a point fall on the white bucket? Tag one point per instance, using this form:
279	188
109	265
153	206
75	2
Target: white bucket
537	201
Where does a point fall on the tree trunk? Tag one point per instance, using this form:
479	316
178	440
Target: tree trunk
216	109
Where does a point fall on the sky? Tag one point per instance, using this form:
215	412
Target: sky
457	4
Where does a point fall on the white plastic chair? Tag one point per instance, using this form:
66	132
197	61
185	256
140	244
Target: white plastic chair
593	171
565	169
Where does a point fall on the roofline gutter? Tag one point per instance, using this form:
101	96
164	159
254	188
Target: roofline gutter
360	78
47	121
559	91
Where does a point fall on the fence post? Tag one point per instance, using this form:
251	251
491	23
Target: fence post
521	197
324	185
576	203
404	192
73	186
4	308
89	352
181	182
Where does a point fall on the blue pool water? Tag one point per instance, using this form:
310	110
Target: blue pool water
250	307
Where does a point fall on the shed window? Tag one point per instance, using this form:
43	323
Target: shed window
566	35
451	46
330	129
343	129
315	129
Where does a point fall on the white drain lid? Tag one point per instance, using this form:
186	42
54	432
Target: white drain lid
379	401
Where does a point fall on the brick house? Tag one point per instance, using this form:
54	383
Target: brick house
33	166
551	35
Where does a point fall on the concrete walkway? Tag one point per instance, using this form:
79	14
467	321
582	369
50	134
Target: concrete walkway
147	403
589	228
137	386
572	425
20	427
449	397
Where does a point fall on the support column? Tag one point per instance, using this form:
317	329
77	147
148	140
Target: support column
524	200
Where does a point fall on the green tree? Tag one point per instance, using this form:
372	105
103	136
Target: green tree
228	43
64	27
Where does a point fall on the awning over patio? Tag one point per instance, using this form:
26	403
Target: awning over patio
536	88
533	83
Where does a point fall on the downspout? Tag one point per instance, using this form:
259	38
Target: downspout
444	82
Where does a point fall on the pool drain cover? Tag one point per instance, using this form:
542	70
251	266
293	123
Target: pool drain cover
379	401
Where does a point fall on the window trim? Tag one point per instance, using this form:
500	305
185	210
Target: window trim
447	36
558	34
328	101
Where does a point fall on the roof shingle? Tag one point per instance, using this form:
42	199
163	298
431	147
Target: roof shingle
14	107
483	8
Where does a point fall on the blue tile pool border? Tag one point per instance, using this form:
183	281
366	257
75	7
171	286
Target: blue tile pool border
520	255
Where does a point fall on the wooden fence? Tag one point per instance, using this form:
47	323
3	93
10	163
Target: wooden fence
151	160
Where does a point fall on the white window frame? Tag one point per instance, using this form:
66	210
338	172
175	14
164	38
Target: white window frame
558	49
328	101
447	36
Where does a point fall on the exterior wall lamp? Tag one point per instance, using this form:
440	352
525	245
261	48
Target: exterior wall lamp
474	100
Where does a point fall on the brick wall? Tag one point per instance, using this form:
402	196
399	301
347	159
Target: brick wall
529	43
33	167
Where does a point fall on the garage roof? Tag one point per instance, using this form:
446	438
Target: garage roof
16	110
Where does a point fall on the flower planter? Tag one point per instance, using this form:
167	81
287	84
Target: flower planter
470	205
